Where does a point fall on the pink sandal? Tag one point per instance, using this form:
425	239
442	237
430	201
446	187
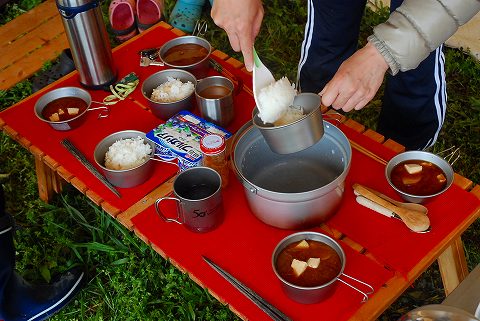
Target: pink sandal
122	15
149	12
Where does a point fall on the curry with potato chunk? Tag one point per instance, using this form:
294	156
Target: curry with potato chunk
308	263
64	108
418	177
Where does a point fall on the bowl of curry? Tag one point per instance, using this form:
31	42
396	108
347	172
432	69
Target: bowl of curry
63	108
419	176
190	53
308	265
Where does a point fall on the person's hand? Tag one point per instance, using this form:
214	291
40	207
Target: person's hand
356	81
241	20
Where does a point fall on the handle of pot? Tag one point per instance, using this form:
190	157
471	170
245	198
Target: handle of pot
329	117
105	111
365	294
163	161
160	213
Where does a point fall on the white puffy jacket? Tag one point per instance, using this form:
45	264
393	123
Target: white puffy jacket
417	28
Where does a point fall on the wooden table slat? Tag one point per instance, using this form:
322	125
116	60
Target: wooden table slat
94	197
31	63
379	138
393	145
27	22
41	36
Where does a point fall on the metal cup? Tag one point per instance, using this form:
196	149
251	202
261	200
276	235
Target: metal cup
215	99
197	192
298	135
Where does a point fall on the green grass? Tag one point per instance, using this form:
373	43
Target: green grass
128	280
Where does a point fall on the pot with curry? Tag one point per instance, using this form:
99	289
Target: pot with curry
308	265
190	53
63	108
418	176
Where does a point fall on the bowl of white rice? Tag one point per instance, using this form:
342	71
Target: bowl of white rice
169	91
297	127
125	158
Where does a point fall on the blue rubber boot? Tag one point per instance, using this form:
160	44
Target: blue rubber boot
20	300
185	14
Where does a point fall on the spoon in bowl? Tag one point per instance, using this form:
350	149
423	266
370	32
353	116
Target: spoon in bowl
413	215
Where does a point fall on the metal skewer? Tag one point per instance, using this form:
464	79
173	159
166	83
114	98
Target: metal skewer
78	155
266	307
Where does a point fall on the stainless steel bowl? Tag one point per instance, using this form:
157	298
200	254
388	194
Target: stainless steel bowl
292	191
166	110
298	135
424	156
438	312
60	93
128	177
303	294
199	69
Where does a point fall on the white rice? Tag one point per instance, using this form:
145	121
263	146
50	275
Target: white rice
274	100
292	114
172	90
127	153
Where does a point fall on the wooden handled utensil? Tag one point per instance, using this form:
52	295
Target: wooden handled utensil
415	220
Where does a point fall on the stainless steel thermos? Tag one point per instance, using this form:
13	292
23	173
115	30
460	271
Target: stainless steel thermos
89	43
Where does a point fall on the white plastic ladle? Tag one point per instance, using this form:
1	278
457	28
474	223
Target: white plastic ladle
262	77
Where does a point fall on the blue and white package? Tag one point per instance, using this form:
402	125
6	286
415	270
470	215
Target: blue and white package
179	137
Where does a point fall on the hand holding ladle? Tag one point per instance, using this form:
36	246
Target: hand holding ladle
413	218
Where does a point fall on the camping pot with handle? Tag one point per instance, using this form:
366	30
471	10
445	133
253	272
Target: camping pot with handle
89	43
297	190
320	292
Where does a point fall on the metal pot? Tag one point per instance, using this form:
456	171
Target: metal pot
298	135
126	178
292	191
199	69
424	156
166	110
438	312
308	295
61	92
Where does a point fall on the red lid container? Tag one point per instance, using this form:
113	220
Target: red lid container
212	144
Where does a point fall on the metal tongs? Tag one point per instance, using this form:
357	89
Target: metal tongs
266	307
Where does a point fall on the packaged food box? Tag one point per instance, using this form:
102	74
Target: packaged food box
179	138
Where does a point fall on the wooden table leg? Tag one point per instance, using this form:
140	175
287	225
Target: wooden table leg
49	182
453	265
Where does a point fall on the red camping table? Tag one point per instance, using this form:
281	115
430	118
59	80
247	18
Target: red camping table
378	250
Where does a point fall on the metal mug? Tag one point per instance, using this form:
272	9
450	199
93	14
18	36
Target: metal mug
215	99
197	192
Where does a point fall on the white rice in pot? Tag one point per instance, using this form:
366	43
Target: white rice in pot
292	114
127	153
275	99
172	90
